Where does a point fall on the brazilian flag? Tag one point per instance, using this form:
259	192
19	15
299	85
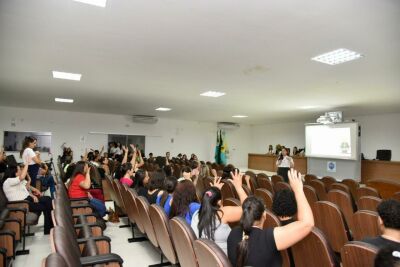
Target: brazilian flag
221	149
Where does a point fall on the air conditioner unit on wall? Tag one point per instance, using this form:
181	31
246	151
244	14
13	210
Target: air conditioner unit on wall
145	119
228	125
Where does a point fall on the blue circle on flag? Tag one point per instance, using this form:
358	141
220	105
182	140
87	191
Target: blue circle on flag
331	165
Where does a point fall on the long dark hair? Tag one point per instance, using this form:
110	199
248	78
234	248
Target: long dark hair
156	180
184	194
26	142
79	169
208	212
169	187
253	209
139	178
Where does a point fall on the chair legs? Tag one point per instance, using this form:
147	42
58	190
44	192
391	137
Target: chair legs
134	239
24	235
162	263
126	225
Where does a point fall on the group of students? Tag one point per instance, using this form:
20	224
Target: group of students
249	244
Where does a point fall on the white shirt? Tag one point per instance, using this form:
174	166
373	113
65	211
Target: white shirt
14	189
28	152
112	150
286	162
118	151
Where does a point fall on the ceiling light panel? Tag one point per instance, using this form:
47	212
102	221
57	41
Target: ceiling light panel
337	56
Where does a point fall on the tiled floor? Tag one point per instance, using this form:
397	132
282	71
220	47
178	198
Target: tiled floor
134	254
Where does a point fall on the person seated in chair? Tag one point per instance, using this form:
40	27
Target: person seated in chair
46	179
16	188
80	184
389	221
284	206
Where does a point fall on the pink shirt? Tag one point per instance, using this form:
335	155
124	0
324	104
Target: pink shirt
126	180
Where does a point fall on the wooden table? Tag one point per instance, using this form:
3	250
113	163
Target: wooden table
268	162
378	169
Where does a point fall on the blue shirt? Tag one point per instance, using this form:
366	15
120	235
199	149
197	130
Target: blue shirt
193	207
167	205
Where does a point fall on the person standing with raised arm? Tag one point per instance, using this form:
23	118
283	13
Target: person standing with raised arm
284	163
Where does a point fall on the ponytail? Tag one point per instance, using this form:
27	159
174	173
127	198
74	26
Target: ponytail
253	209
208	213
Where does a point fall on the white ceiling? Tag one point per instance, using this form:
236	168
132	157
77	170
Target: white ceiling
136	55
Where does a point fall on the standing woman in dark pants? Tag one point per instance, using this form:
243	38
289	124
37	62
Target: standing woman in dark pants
28	145
284	163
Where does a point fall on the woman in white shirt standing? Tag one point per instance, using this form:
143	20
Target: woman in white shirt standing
28	145
284	163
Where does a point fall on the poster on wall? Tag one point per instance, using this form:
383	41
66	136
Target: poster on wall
13	140
331	166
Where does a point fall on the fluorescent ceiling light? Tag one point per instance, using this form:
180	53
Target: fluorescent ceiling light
239	116
64	100
163	109
309	107
212	94
66	75
100	3
338	56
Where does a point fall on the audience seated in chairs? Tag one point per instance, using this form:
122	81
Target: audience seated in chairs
141	180
389	221
165	199
79	185
184	201
212	220
16	188
250	245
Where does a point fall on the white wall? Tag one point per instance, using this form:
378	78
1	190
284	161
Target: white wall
377	132
74	128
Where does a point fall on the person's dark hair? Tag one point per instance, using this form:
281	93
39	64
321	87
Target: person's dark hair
26	142
168	170
156	180
226	172
253	209
139	178
284	203
11	172
91	156
194	164
208	213
186	169
389	211
79	169
387	256
125	167
169	187
184	194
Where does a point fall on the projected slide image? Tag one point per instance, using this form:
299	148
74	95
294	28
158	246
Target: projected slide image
331	141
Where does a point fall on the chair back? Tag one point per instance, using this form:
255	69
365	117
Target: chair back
276	178
262	175
328	181
210	254
368	203
160	219
265	195
319	188
265	183
343	201
183	238
313	251
65	245
329	219
356	253
353	185
235	203
396	196
278	186
308	178
365	224
310	194
228	190
366	191
143	209
135	212
341	187
54	260
247	190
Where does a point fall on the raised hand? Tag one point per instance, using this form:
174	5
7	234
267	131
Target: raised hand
217	183
214	173
236	178
125	149
295	180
